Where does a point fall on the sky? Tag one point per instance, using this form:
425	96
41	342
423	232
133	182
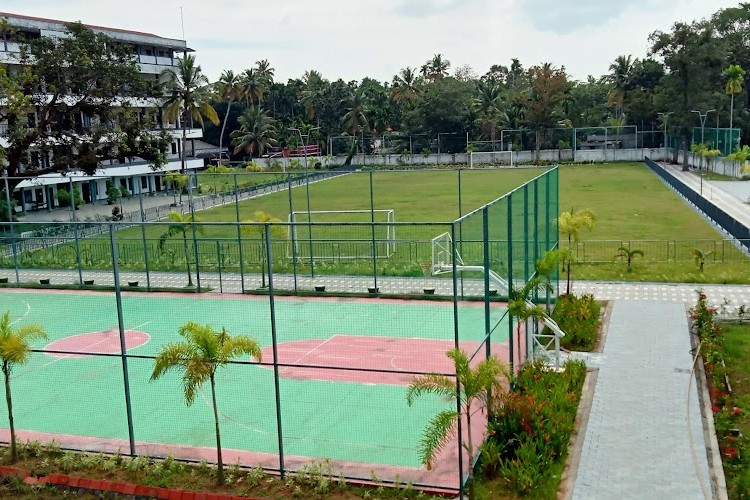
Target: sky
353	39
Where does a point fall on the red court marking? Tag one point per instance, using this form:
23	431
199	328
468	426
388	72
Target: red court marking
373	353
103	342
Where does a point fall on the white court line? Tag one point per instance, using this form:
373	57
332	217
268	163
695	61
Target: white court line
28	310
311	351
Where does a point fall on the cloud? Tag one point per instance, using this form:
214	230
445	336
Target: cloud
564	17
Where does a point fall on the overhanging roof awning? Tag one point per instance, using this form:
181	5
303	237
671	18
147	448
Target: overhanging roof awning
102	173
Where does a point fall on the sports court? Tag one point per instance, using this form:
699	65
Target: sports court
344	365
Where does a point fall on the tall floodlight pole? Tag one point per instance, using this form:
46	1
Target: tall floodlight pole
665	119
304	138
702	117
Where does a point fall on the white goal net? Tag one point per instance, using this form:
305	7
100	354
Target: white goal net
479	159
330	235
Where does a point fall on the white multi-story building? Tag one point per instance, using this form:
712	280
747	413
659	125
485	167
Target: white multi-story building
154	55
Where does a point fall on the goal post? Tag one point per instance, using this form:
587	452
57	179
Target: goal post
484	159
327	235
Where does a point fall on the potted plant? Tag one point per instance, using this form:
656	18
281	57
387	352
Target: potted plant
3	280
320	288
44	281
88	282
372	289
132	283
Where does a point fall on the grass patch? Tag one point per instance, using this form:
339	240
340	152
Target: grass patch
666	272
630	203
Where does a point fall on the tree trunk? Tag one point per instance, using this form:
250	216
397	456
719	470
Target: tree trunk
469	450
352	152
570	258
182	146
9	402
731	117
538	145
223	128
220	470
187	258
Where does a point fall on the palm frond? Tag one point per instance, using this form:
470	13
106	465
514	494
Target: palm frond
170	357
237	346
440	430
430	384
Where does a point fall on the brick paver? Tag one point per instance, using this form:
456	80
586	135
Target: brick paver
637	443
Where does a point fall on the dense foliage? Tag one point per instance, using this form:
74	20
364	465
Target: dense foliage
578	317
529	434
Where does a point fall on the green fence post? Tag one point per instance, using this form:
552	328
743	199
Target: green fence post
511	347
239	232
143	234
274	343
292	231
75	232
218	265
12	230
486	263
374	247
123	345
456	338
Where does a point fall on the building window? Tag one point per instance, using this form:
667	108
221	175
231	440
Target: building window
174	148
149	52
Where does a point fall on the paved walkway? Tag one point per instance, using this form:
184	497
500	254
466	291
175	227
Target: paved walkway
637	441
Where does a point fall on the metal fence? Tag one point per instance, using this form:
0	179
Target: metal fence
337	357
728	223
603	251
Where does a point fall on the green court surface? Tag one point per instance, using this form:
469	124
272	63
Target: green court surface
321	417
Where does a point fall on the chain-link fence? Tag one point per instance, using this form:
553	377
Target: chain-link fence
337	357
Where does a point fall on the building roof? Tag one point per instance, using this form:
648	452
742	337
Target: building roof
107	172
169	42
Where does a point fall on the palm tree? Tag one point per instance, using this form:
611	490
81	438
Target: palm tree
521	307
475	387
488	104
256	132
354	119
621	73
259	231
198	357
177	182
735	80
570	225
229	87
14	350
255	86
179	226
312	94
265	71
436	68
627	254
404	89
188	95
700	257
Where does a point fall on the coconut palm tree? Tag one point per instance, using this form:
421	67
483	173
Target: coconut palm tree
354	119
475	387
570	225
198	357
621	73
14	350
255	86
735	80
436	68
229	88
488	104
265	71
405	89
178	226
256	132
628	255
312	94
188	95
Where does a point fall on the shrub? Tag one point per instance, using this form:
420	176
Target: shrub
113	193
531	429
63	197
253	167
578	317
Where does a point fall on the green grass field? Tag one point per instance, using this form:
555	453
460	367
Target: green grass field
630	202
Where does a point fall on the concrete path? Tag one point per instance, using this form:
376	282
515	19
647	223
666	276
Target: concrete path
637	442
